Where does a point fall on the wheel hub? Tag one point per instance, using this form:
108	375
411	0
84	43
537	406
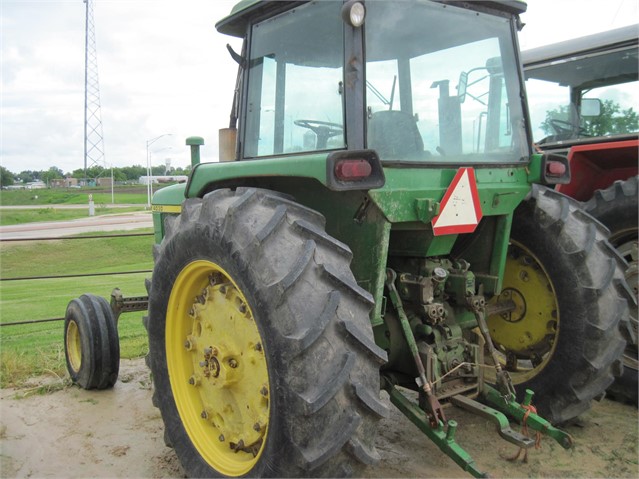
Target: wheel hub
525	336
74	346
219	377
517	314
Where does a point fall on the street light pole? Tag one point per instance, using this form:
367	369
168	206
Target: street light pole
148	167
151	165
112	196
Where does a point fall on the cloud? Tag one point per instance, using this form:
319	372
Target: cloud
162	69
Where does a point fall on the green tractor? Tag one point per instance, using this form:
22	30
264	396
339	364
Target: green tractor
378	221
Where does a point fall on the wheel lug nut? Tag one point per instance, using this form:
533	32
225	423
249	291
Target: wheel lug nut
194	381
258	347
204	364
208	351
221	438
237	447
204	415
232	363
257	427
189	344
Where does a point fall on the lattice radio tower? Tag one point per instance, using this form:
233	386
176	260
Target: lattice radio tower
93	138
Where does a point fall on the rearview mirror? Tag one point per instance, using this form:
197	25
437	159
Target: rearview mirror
590	107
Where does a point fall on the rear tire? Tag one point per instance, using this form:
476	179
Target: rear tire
617	208
91	343
563	341
247	268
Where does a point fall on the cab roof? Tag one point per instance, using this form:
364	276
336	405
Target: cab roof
236	21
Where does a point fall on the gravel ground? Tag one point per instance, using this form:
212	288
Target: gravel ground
73	433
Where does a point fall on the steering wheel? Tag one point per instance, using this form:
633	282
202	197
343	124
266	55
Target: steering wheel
567	130
323	129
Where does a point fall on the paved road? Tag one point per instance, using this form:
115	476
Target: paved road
116	222
84	206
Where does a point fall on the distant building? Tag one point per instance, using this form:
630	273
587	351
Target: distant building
63	182
144	180
104	181
35	185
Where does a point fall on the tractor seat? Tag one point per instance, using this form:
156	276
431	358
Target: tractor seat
394	136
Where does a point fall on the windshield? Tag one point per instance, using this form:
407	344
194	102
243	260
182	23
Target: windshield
442	85
295	82
584	96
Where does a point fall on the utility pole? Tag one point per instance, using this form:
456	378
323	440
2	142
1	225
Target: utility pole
93	137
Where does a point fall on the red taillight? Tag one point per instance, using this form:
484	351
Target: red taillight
555	168
352	170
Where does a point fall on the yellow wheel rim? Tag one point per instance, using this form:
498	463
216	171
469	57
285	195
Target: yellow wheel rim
217	368
74	346
526	337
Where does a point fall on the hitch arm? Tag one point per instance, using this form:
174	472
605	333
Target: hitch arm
432	403
443	438
520	413
499	419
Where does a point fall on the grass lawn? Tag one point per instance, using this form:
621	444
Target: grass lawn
75	196
33	349
16	217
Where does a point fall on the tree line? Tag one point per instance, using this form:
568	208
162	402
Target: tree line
121	174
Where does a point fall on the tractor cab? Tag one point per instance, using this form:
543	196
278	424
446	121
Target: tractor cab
411	81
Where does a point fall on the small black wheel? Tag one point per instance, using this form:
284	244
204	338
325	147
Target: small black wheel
91	343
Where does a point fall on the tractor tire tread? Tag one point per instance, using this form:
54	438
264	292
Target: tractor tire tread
304	286
579	245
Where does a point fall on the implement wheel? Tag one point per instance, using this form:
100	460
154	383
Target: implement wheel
563	339
260	344
91	343
617	208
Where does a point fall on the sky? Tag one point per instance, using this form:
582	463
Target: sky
164	72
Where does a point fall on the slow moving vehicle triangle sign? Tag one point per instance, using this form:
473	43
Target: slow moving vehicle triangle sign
460	210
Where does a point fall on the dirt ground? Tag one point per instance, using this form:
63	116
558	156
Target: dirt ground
74	433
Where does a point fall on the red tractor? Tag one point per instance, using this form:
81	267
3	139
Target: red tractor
583	96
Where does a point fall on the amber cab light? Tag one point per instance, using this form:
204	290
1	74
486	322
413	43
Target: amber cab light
352	170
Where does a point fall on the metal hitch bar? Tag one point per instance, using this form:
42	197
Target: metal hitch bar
120	304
